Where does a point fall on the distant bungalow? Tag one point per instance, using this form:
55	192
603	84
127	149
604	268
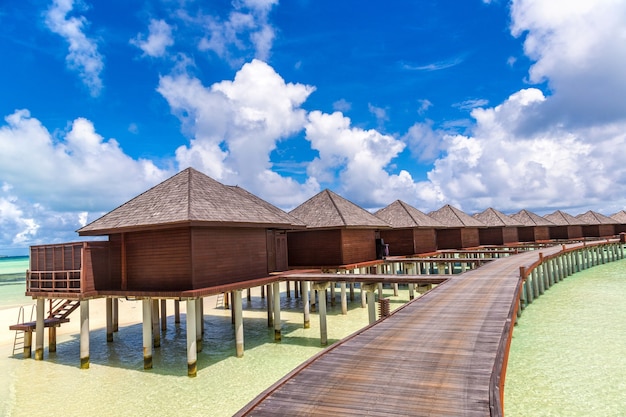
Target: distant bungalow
501	229
598	225
412	232
535	228
338	233
620	218
565	226
460	230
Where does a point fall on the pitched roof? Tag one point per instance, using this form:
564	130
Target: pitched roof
560	218
278	212
493	218
528	218
190	197
402	215
620	216
329	210
592	217
453	217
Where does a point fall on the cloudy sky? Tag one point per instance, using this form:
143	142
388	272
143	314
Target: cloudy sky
479	104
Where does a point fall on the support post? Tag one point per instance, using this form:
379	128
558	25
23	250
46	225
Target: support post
363	296
371	302
192	352
321	287
109	314
164	315
52	339
39	328
237	307
116	315
84	334
199	324
344	298
176	312
276	291
411	291
270	310
28	344
307	305
147	333
156	333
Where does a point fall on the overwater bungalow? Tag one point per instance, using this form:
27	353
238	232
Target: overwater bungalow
460	230
501	229
598	225
338	232
535	228
186	238
566	226
620	218
412	232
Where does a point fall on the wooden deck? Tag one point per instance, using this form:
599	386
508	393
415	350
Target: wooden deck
440	355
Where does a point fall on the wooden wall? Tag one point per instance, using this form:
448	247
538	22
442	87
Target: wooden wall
400	241
227	255
315	248
620	228
449	239
424	240
470	237
358	245
491	236
559	232
575	232
598	230
510	235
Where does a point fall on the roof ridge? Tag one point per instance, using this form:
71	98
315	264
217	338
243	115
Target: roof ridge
332	200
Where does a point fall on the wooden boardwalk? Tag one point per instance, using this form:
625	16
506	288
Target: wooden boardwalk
440	355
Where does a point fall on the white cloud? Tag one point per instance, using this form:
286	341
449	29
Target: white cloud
342	105
159	38
235	125
424	142
83	55
246	27
73	172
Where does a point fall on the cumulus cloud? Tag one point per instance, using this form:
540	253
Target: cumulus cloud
69	173
235	125
83	55
247	26
159	38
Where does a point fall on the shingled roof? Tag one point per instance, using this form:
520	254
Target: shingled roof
453	217
329	210
493	218
190	197
620	216
560	218
593	217
528	218
402	215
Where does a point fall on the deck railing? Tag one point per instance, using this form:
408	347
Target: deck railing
53	281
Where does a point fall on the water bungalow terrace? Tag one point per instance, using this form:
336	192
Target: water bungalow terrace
534	227
598	225
501	229
620	218
460	230
338	233
566	226
413	232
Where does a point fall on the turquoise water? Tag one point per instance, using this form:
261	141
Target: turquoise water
568	354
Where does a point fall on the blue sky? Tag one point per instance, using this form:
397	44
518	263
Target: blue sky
478	104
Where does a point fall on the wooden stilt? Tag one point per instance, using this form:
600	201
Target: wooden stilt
237	308
164	315
192	350
332	293
156	333
147	333
39	328
249	294
307	304
84	334
52	339
288	289
352	291
277	328
176	312
28	344
270	309
312	298
116	314
199	324
109	319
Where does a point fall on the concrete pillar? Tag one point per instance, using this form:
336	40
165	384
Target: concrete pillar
344	298
176	311
28	343
545	274
380	290
287	289
84	334
147	333
321	288
352	291
109	319
237	307
192	350
371	302
363	296
164	315
411	291
249	294
270	309
199	323
116	315
312	298
276	291
52	339
156	332
39	328
332	293
306	304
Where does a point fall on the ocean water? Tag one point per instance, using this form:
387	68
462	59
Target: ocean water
568	354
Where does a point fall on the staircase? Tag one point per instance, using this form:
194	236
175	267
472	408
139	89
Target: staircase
61	309
18	342
220	300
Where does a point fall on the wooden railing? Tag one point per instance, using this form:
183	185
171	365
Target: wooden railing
53	281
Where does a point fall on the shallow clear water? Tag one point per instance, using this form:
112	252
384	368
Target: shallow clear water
568	354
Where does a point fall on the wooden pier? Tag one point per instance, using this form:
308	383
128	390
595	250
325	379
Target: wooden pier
443	354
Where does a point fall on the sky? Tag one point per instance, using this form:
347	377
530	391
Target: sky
480	103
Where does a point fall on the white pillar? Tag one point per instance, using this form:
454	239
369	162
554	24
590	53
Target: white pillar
363	297
192	352
307	305
276	291
84	334
237	307
371	303
270	310
147	333
411	291
39	328
156	332
163	314
199	324
344	298
312	298
321	287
